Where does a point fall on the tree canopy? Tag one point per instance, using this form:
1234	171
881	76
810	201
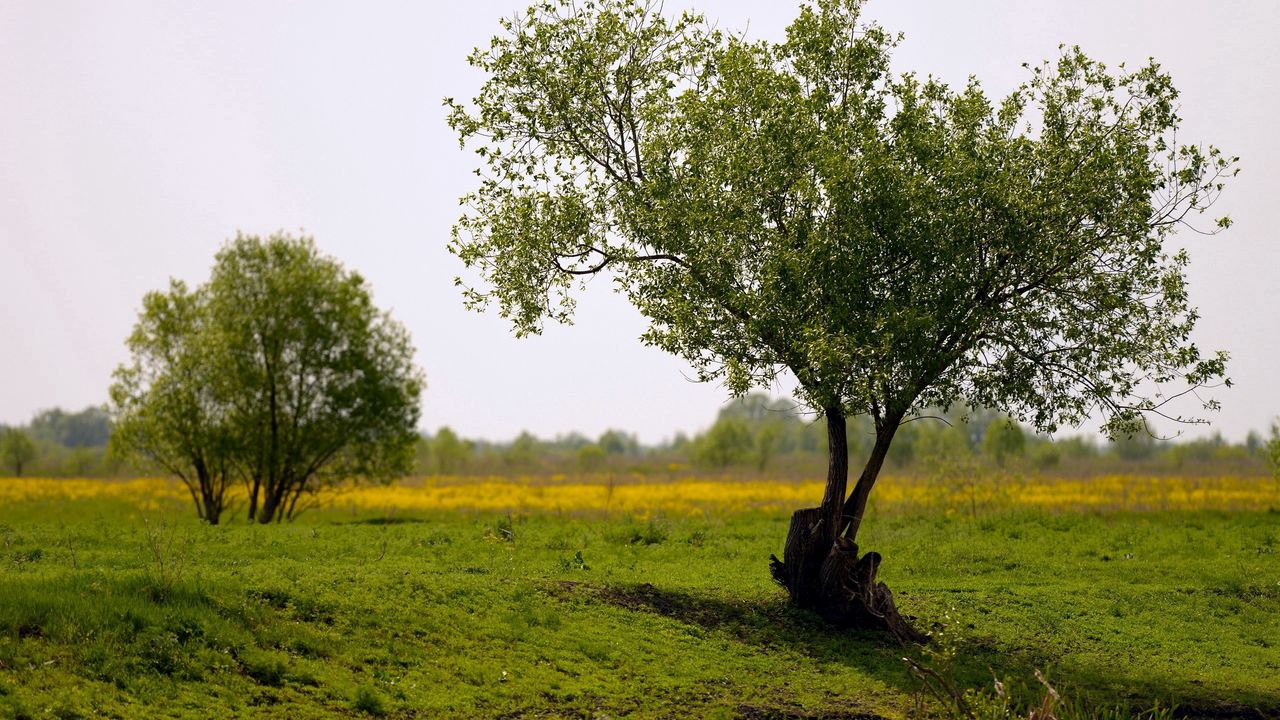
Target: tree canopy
279	370
894	243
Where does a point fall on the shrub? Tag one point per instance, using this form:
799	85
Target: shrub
367	700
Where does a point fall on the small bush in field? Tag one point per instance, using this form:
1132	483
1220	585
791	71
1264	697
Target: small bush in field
368	701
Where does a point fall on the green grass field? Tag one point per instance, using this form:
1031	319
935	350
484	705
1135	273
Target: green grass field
108	612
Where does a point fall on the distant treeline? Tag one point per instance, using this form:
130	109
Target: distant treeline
57	443
753	434
760	434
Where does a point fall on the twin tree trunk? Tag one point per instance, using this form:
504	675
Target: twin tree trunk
208	491
279	499
821	568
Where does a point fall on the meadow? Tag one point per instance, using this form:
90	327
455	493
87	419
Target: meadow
600	597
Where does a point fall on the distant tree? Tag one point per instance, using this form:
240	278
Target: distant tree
1003	440
768	437
592	458
16	450
1212	449
90	427
1045	455
617	442
759	407
572	441
522	453
165	403
893	243
1134	445
451	453
1253	442
423	459
1077	447
280	369
1271	451
938	445
727	442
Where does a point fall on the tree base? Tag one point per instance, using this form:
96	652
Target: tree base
830	578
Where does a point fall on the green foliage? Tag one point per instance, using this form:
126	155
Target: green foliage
592	458
1077	447
449	453
1004	440
893	242
766	445
1138	445
279	369
728	442
368	701
652	532
88	428
1046	455
1271	450
522	453
758	408
791	445
168	403
62	444
934	443
16	450
617	442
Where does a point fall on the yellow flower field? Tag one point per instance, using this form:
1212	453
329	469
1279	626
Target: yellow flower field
632	495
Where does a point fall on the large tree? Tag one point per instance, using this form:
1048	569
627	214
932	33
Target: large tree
891	242
279	371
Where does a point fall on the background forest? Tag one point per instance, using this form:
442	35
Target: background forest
754	435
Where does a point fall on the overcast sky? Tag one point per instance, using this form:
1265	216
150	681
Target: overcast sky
135	137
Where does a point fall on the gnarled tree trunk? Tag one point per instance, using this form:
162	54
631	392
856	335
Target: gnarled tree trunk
820	565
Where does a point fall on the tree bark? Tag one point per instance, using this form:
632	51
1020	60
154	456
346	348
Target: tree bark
821	569
270	506
856	506
253	500
837	473
209	501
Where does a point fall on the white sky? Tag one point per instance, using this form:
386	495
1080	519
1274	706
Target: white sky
136	136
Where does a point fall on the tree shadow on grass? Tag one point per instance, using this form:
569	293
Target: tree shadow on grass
774	623
385	520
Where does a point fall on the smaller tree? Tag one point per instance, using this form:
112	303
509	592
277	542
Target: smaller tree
90	427
617	442
728	442
592	458
767	441
1134	446
1003	440
941	449
522	454
16	450
319	383
451	453
1271	450
1045	454
163	401
278	371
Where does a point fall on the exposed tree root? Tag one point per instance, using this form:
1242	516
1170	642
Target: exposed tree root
830	578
